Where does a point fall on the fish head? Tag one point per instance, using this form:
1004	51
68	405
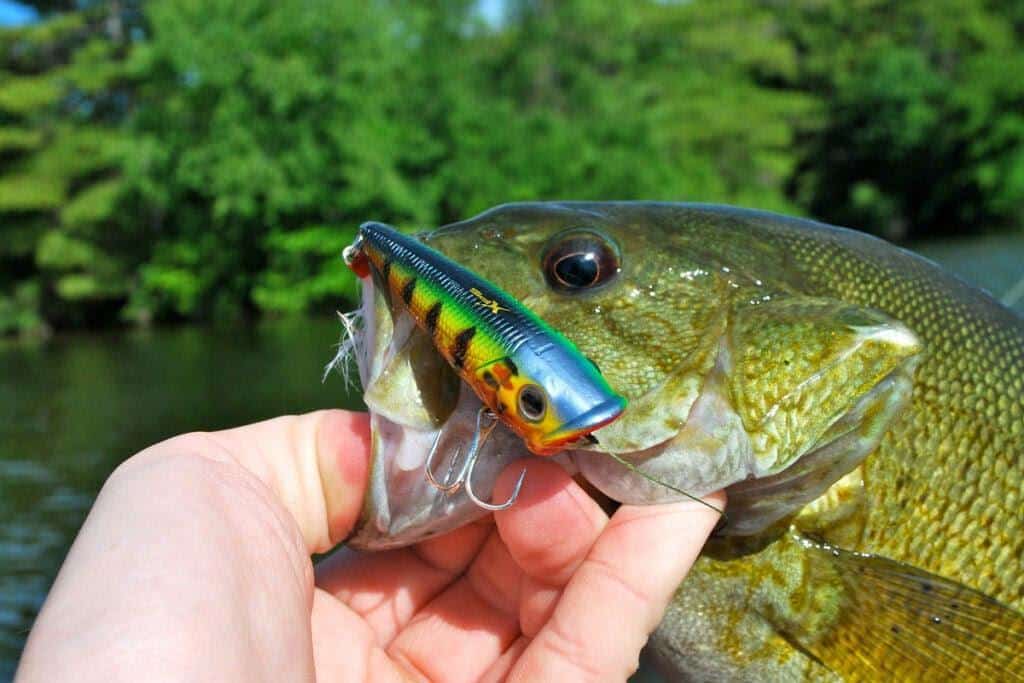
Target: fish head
734	368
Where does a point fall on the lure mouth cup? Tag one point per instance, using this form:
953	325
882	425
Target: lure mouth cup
590	421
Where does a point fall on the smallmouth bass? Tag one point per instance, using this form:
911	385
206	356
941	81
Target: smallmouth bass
864	410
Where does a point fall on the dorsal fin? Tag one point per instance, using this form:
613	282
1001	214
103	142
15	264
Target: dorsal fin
899	623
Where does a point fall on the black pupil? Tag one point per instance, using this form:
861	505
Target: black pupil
532	403
578	270
579	260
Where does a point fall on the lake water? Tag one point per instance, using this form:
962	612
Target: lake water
73	408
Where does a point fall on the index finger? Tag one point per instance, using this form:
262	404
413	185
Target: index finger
619	593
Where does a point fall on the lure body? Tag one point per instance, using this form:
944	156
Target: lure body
529	375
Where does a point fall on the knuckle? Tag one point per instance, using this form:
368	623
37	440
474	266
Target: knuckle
624	592
567	646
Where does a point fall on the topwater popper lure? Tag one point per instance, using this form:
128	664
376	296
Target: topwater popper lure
526	373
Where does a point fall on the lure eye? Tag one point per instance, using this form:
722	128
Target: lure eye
532	403
580	259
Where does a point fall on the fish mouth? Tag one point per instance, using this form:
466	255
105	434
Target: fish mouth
401	373
415	401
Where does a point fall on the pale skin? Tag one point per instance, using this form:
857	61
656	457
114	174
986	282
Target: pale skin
194	564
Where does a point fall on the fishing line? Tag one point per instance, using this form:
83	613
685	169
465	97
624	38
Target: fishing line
633	468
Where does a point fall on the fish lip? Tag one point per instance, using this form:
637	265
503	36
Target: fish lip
588	422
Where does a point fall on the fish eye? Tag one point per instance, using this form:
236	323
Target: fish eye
532	403
578	260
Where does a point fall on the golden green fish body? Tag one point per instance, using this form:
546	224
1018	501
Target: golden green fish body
772	355
943	491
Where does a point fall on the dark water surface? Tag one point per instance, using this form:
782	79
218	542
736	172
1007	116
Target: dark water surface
995	263
73	408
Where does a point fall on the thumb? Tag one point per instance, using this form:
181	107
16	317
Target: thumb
315	464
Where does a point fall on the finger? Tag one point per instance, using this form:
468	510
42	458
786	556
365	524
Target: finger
548	532
496	577
553	526
316	465
344	647
456	637
619	593
499	671
388	588
553	523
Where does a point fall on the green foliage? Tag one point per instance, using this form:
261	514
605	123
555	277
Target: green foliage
60	152
81	270
30	193
15	139
297	132
94	67
214	158
19	309
173	279
24	95
93	205
305	269
58	250
924	131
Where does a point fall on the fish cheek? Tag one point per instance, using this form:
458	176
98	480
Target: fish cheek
816	383
655	338
829	504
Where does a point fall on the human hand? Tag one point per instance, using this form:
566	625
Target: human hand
194	564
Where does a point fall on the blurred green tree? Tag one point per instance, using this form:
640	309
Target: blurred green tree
591	100
61	260
924	126
204	159
265	131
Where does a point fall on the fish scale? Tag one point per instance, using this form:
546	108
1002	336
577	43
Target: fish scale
971	342
968	339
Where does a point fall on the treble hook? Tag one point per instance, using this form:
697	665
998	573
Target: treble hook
480	436
465	474
445	487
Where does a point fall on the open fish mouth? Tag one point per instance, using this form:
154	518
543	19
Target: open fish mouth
415	401
416	404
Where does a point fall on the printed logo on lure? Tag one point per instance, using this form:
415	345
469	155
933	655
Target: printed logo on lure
491	304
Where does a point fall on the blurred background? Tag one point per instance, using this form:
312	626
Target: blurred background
177	181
